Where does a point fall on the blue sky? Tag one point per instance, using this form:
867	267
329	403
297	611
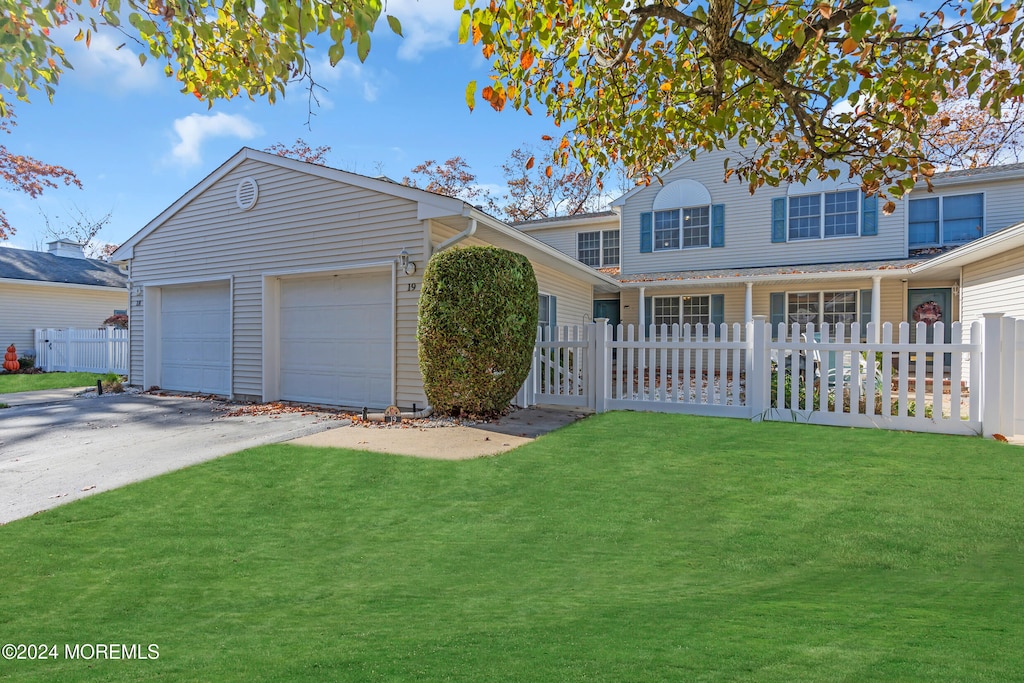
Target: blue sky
137	143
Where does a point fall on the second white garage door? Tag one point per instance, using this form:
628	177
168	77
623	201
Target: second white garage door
336	340
195	338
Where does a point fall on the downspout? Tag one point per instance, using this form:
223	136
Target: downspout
458	237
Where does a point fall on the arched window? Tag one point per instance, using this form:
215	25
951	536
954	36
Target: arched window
682	216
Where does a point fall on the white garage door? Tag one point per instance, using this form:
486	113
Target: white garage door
195	338
336	340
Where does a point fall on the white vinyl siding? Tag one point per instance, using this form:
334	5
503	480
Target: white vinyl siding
562	234
301	222
575	298
748	228
994	285
27	307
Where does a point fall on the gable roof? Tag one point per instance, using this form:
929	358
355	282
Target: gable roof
429	205
597	217
941	178
949	263
37	266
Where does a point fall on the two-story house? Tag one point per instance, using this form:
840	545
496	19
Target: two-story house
695	249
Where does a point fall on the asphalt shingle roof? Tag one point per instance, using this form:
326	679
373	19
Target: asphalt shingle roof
773	271
37	266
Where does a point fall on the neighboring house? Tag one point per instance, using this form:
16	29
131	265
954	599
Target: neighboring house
59	288
275	279
695	249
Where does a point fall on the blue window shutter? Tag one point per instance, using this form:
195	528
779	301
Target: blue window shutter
779	219
648	312
646	232
869	215
717	312
865	312
552	311
718	225
778	310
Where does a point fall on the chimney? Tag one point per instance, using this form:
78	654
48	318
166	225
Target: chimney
66	249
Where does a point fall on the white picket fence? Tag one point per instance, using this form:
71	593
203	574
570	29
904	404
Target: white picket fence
970	385
81	350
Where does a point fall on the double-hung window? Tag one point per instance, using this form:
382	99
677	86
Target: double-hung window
682	228
693	310
598	248
823	215
821	307
938	221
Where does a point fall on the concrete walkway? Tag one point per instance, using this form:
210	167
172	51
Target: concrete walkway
452	442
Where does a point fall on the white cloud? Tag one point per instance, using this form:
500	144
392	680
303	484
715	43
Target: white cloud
427	25
119	68
347	77
194	129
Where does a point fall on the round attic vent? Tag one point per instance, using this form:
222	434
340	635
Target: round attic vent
247	193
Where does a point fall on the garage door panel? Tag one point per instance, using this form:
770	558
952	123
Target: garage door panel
336	340
195	338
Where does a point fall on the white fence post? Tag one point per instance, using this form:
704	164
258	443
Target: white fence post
1008	371
991	374
757	367
602	365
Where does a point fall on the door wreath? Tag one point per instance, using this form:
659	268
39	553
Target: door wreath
929	312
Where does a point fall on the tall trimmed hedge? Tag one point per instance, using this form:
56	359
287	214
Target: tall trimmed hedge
477	327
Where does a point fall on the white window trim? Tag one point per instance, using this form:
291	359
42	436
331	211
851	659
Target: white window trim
821	306
942	200
821	216
601	248
681	247
679	298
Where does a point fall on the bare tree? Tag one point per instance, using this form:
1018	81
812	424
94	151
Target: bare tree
302	151
80	227
535	192
964	135
453	178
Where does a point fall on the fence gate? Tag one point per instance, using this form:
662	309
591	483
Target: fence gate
562	371
82	350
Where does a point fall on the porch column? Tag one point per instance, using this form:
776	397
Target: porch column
643	316
876	307
748	303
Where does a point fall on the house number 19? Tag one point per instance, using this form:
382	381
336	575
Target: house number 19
411	287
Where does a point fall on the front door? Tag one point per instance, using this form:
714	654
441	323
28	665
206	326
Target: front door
608	308
930	306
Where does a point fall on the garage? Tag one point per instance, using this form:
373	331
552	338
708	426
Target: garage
336	339
195	338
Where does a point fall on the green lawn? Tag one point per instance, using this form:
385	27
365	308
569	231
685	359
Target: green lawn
626	547
10	384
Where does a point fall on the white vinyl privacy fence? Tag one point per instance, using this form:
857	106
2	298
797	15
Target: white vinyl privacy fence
834	375
80	350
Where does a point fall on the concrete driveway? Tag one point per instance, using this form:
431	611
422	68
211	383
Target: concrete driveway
64	448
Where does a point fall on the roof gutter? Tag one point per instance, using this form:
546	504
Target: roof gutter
458	237
785	277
